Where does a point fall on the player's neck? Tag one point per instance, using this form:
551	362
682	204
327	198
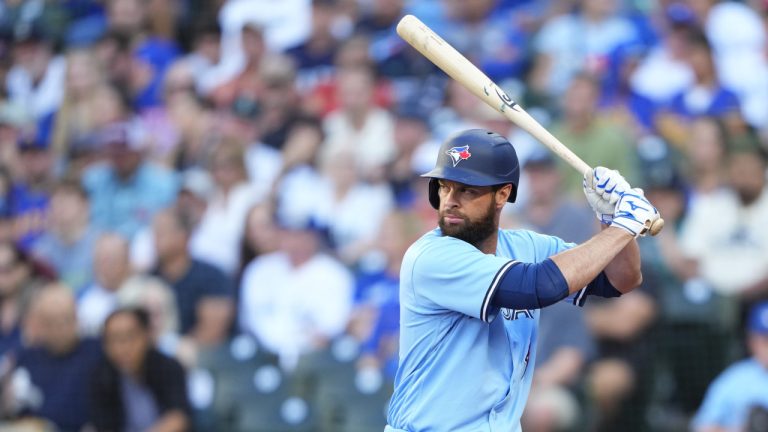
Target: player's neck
488	246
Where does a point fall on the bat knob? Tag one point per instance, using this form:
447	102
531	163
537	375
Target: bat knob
656	226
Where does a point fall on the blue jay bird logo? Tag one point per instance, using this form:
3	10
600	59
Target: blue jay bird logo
459	154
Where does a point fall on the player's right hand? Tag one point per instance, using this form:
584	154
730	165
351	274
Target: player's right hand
603	188
634	213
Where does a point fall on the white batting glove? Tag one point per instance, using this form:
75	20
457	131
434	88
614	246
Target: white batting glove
603	187
634	213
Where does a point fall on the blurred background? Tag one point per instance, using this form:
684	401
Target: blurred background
204	205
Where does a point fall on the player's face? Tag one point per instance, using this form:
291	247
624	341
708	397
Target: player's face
467	212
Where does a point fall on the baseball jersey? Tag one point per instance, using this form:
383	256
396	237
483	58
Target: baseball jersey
464	365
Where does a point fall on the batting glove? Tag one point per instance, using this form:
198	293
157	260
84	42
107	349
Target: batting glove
634	213
603	187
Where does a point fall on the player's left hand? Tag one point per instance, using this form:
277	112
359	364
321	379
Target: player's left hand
603	188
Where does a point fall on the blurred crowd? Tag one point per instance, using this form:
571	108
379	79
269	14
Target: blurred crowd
204	205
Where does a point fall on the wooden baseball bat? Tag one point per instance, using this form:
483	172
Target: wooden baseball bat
453	63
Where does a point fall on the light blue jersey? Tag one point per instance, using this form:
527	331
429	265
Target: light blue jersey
744	385
462	366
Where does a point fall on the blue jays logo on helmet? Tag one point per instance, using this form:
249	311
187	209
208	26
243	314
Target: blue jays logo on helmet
459	154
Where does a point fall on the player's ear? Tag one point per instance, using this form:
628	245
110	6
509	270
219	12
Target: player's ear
502	195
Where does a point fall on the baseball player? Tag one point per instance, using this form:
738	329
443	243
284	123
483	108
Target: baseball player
470	292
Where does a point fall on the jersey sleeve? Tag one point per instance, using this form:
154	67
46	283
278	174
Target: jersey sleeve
453	275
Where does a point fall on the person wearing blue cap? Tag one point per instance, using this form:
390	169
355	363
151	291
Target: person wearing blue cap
740	393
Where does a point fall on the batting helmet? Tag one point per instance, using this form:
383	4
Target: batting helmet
475	157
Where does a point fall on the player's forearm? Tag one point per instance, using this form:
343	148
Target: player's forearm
624	270
581	264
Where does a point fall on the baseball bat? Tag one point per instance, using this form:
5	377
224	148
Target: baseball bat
455	65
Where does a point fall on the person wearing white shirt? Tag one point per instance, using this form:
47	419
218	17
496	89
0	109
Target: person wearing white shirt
296	299
111	267
216	239
340	200
36	80
359	125
725	231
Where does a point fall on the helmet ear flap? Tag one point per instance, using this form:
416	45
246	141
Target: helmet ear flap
434	197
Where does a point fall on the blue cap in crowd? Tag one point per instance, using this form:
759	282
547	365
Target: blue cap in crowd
758	319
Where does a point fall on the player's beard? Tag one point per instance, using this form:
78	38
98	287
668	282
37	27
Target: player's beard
472	232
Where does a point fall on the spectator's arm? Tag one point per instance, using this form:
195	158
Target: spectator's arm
562	368
712	429
172	421
214	318
682	266
622	318
756	290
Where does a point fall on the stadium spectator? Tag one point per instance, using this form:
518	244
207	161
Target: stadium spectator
68	242
136	387
375	317
689	326
127	190
260	235
548	209
414	151
565	343
296	299
353	52
36	78
251	70
315	56
739	40
574	42
705	96
14	122
20	278
731	252
78	114
741	391
262	162
591	135
564	349
215	240
111	270
705	151
279	100
247	83
197	130
341	200
663	72
204	58
203	292
157	298
619	380
359	125
50	377
30	194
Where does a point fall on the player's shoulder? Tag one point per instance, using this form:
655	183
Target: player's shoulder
527	245
526	236
433	246
431	240
741	371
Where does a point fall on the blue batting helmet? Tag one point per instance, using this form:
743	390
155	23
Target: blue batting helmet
475	157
